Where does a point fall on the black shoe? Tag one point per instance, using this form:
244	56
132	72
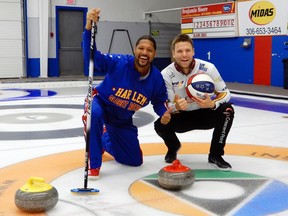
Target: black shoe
170	157
219	162
172	153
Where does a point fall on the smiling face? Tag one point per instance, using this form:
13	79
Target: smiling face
144	54
183	53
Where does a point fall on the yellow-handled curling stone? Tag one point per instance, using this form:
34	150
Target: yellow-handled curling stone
176	176
36	196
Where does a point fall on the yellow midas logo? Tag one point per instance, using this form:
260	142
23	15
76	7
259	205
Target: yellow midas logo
262	12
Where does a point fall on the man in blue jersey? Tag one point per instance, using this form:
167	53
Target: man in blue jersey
197	114
130	83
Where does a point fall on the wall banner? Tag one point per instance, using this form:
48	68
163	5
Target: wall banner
256	18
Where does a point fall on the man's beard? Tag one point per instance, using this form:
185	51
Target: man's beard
142	65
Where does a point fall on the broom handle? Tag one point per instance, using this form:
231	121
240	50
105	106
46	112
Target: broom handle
90	98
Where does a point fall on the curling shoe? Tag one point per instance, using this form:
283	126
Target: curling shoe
219	163
170	157
94	174
172	153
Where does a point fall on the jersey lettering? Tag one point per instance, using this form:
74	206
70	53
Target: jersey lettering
123	93
122	98
119	102
134	107
139	98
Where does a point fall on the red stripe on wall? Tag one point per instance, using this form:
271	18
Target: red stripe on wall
262	60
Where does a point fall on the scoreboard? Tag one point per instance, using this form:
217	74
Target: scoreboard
209	21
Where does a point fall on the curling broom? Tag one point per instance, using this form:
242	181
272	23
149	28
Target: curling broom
85	189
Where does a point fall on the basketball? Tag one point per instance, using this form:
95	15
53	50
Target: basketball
198	85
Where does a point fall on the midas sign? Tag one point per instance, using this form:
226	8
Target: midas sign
262	12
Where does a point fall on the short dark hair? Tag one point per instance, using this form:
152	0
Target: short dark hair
147	37
181	38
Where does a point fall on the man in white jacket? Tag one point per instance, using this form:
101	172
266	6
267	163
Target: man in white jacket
194	114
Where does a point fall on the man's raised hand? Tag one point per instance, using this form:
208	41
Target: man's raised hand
180	103
165	119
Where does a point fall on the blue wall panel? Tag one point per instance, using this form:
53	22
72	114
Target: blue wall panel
33	67
234	62
279	52
53	70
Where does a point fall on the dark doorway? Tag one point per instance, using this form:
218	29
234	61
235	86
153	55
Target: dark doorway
70	22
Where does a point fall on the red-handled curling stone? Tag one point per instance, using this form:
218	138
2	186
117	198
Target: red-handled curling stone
176	176
36	196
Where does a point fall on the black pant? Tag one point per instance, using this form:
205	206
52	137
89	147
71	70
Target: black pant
220	119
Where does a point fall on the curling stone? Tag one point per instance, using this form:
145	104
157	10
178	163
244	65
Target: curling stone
176	176
36	196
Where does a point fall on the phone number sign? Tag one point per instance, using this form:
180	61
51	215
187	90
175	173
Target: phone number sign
262	18
209	21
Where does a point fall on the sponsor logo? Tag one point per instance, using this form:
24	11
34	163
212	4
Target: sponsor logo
262	12
227	8
178	84
203	68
